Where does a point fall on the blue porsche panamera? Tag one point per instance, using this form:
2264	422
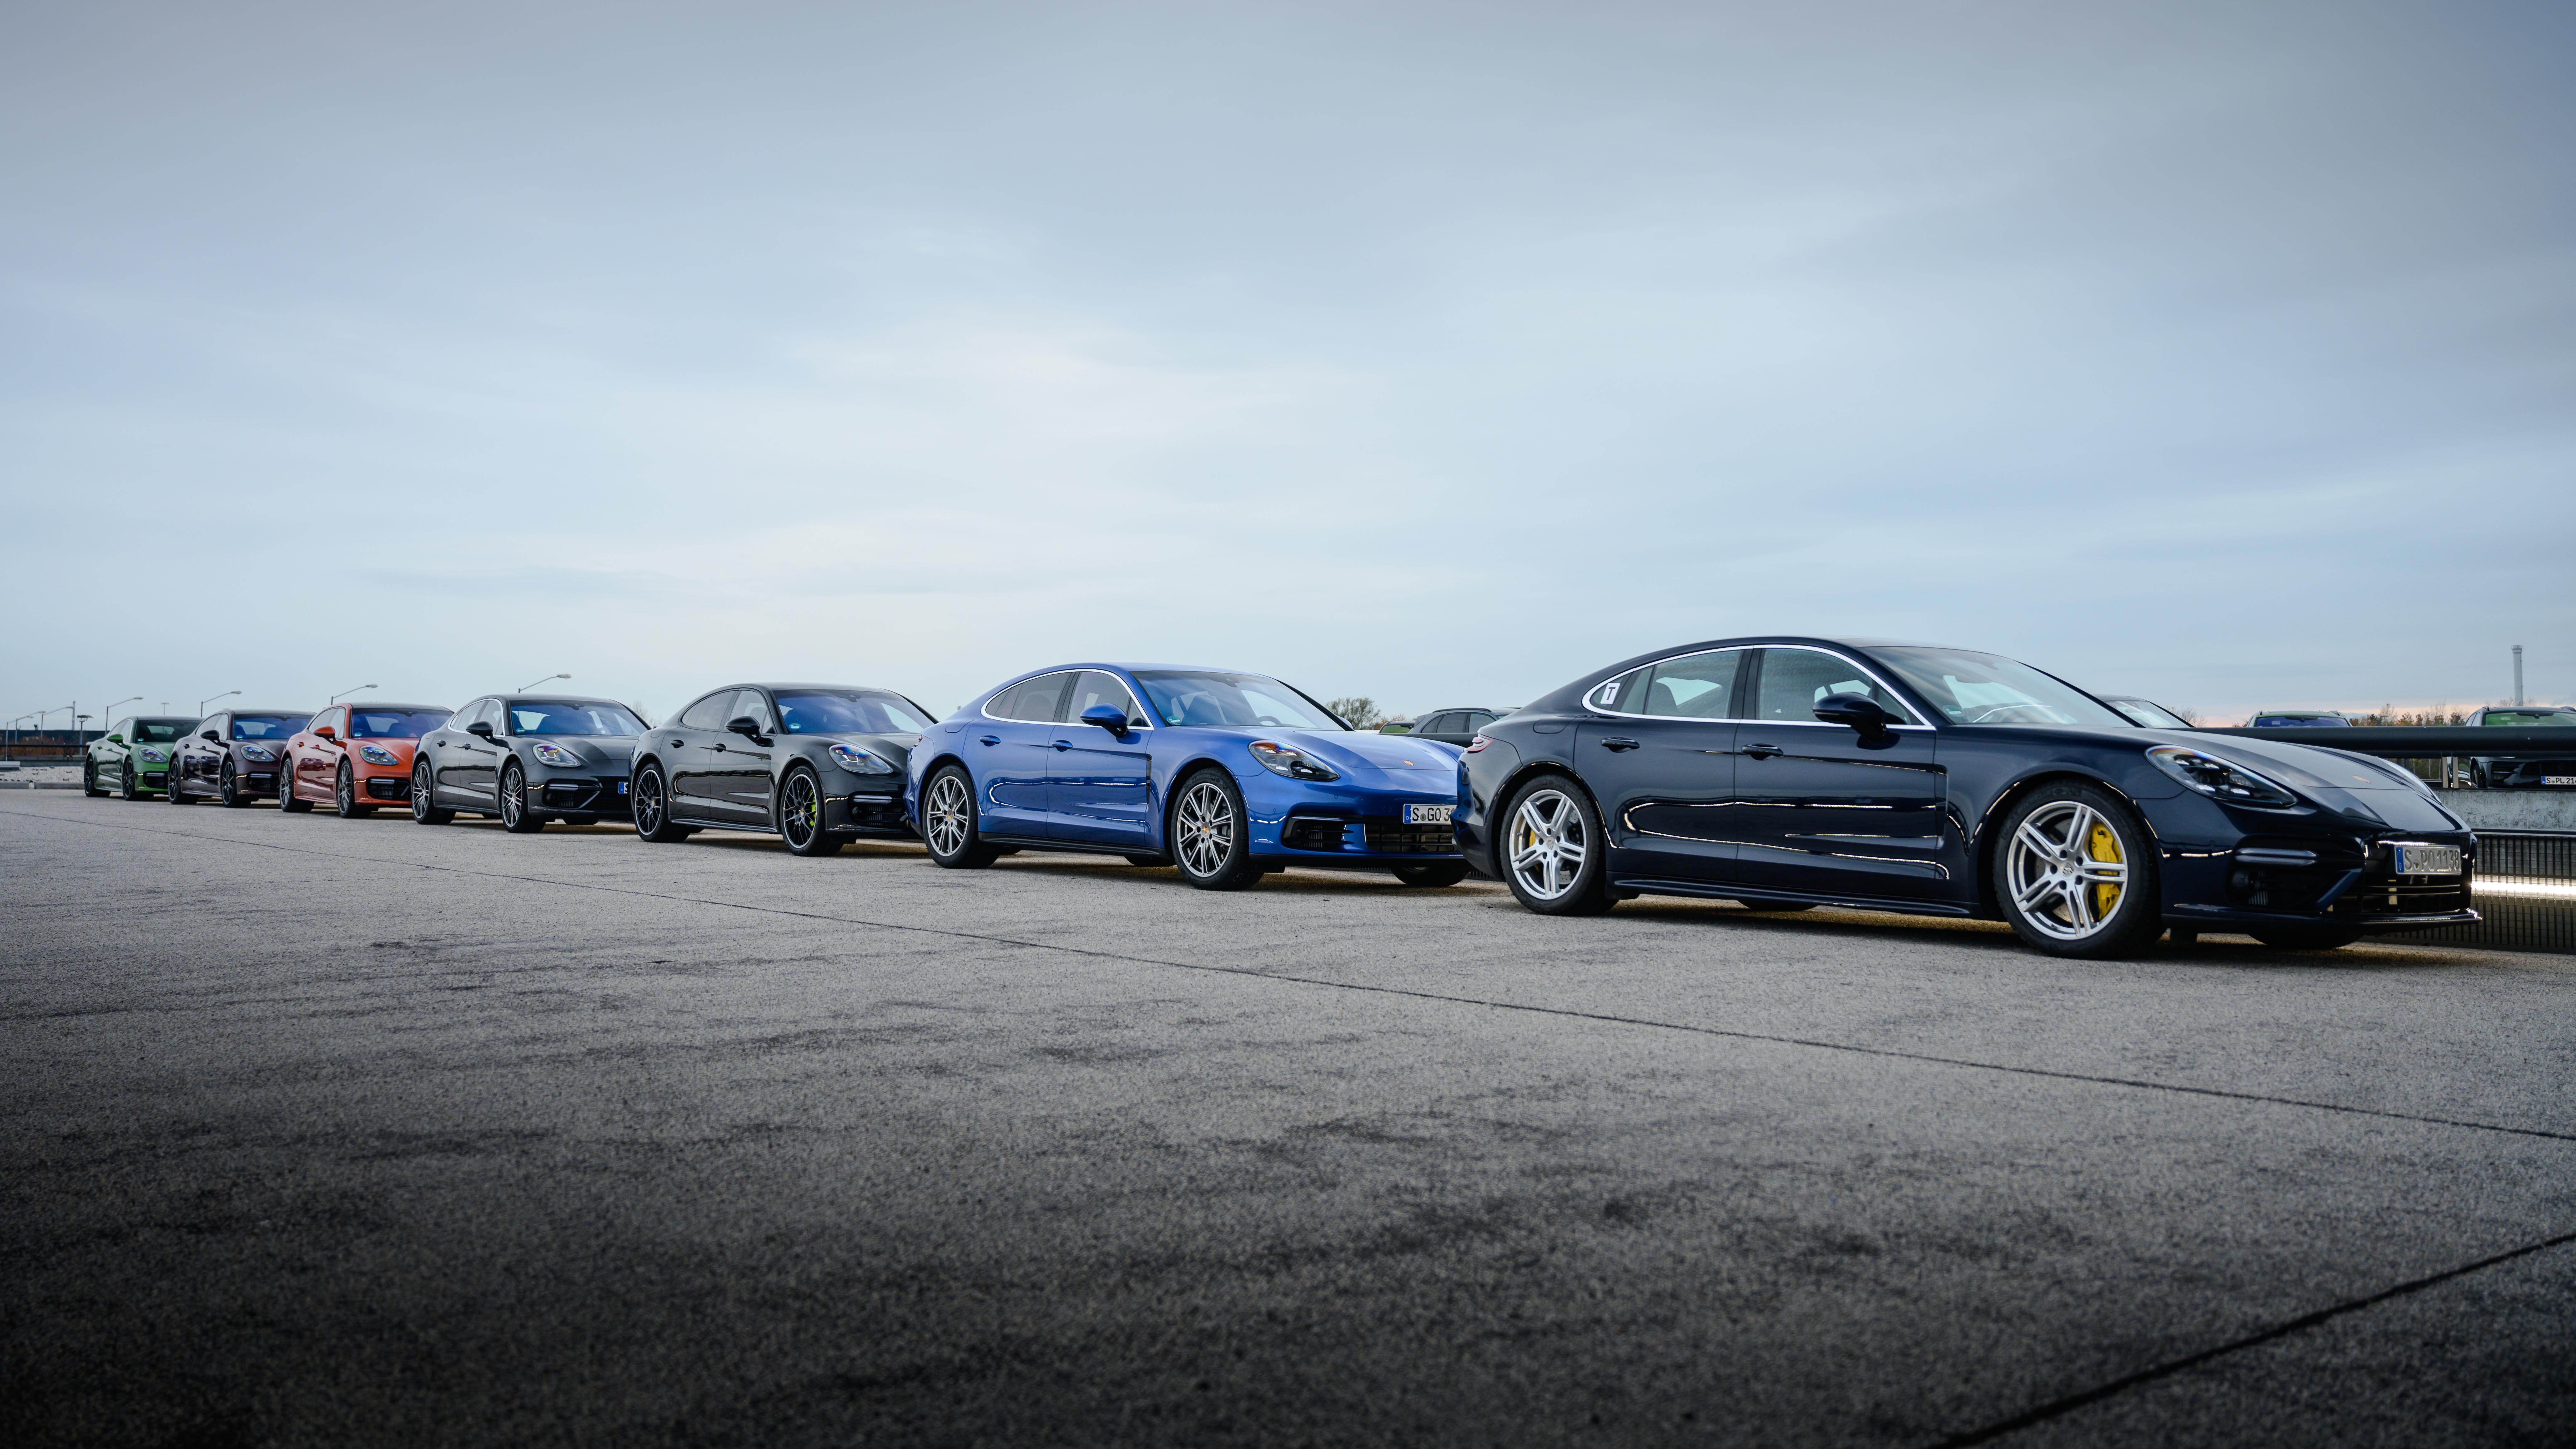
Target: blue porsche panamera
1223	775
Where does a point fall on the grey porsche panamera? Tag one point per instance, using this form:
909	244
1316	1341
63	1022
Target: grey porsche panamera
819	765
526	760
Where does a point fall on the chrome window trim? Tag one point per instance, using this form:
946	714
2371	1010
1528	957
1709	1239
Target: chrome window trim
987	713
1133	712
1862	669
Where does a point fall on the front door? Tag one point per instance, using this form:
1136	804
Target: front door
1012	751
1822	810
1658	751
192	765
1100	785
743	763
472	770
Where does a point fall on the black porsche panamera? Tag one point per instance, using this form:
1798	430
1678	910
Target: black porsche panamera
1789	772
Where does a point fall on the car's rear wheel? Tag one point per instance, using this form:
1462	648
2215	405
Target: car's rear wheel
424	806
516	817
127	785
89	778
1552	850
228	785
2306	938
2077	874
1443	873
344	794
652	807
948	821
1211	834
800	815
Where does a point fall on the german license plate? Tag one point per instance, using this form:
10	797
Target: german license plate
621	787
1427	814
2427	859
2558	779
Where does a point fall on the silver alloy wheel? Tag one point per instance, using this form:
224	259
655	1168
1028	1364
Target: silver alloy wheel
514	797
1549	844
1203	829
946	813
2066	869
648	801
800	814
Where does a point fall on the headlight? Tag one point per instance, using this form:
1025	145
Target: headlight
860	762
377	755
1295	764
261	753
155	757
556	755
2220	779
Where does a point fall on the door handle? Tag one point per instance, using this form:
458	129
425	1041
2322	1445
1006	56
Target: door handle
992	739
1064	744
1763	752
718	747
1618	742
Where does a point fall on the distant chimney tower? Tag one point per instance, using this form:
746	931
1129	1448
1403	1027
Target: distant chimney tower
2517	676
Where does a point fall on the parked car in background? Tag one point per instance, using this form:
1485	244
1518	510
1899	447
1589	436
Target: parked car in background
1227	776
2288	719
1792	772
2555	769
356	757
233	755
133	758
2146	713
1456	725
527	760
819	764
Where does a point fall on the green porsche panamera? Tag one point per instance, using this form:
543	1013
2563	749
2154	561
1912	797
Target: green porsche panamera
133	759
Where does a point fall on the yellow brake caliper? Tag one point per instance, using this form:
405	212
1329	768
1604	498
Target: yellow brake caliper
2103	845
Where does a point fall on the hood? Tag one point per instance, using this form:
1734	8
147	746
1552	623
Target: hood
597	747
2362	788
1384	752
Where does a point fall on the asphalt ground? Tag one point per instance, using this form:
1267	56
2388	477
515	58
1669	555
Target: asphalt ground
325	1132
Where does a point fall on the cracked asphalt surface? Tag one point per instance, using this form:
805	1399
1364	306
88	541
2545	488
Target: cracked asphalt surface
325	1132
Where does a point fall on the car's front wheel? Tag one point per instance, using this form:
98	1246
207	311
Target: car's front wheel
286	800
516	817
424	805
127	785
652	807
89	779
228	785
948	823
800	815
344	795
1211	835
1552	849
2076	874
1444	873
172	788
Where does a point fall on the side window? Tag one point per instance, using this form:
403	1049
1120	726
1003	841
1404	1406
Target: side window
1092	687
1794	679
755	705
487	712
1699	686
709	713
1438	724
335	720
1477	719
220	724
1623	693
1039	699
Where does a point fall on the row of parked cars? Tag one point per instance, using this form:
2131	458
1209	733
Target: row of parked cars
1779	773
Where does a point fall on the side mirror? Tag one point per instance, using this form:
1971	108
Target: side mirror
1856	710
480	729
116	739
210	737
325	732
1109	717
745	726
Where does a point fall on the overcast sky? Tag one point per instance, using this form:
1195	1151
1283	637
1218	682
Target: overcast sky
1434	353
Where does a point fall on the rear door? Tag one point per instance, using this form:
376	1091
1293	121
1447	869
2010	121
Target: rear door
1099	785
1657	749
1823	811
1012	751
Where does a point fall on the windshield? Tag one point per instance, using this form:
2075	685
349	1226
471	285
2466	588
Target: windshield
858	712
1195	697
2150	714
159	731
549	717
2532	718
267	726
394	724
1970	688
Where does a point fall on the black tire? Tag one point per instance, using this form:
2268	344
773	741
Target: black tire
1442	873
652	807
1150	862
1210	832
344	795
89	779
2067	911
1560	819
2306	938
286	800
228	785
516	817
951	824
127	785
800	815
424	809
172	788
1777	906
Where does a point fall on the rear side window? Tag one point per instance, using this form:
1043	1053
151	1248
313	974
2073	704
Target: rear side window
1794	679
1701	686
1039	700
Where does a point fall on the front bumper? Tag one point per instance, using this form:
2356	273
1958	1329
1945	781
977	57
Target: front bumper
569	793
2300	871
866	812
1345	823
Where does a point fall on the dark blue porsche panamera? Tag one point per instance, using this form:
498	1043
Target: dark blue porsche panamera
1787	772
1224	775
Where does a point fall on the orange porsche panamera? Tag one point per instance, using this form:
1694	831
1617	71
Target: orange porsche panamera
355	757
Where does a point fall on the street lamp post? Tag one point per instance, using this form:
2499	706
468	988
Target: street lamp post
105	714
210	699
335	699
524	688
